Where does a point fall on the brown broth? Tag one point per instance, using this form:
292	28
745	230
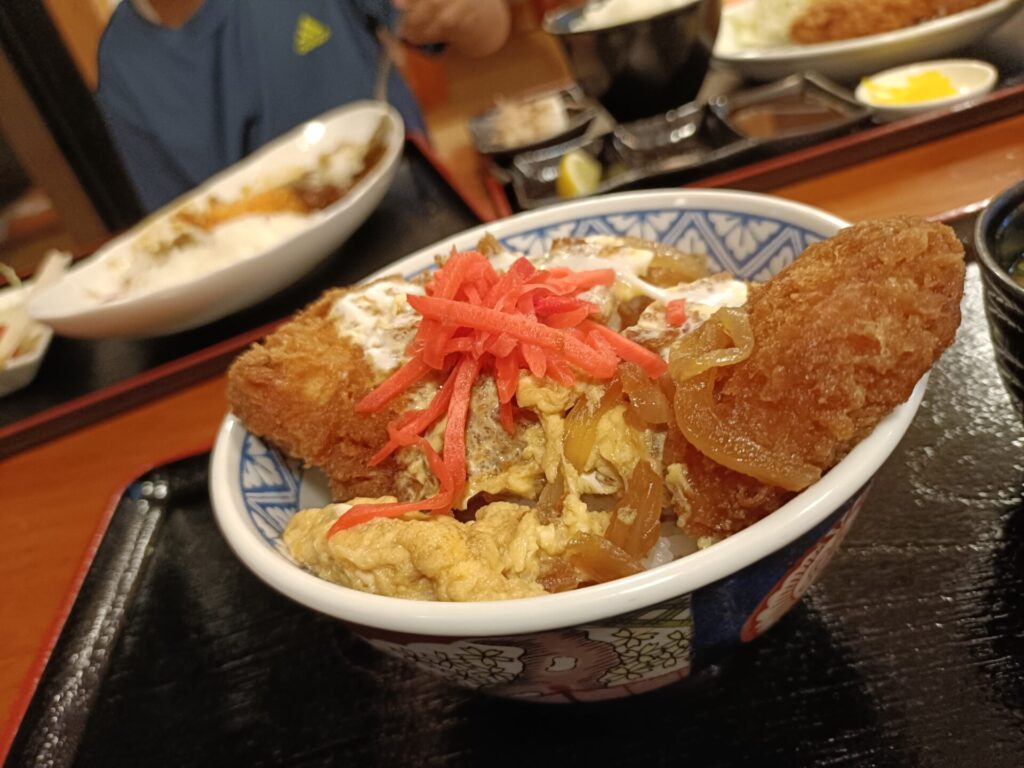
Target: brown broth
790	113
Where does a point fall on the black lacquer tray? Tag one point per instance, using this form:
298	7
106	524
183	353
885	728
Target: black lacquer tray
909	652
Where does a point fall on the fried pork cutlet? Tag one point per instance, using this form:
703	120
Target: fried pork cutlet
840	338
830	20
298	389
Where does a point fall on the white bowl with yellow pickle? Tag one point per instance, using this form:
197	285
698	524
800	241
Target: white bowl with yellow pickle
925	86
657	626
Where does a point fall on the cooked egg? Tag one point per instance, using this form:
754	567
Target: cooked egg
498	556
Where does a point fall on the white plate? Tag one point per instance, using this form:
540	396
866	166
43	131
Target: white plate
851	59
970	79
73	311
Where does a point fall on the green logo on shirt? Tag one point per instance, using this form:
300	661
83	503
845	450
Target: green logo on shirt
309	34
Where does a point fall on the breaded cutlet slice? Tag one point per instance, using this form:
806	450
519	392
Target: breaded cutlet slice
831	20
298	388
841	337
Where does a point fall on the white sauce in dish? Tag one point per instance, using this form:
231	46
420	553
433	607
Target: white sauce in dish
379	319
703	298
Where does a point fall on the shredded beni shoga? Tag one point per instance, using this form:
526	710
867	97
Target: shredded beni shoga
478	320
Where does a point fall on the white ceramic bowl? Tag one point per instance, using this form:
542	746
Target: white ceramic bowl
969	77
683	613
72	311
854	58
21	370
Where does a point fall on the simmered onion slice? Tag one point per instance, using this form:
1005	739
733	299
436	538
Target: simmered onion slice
729	343
636	521
695	367
599	560
581	425
645	395
670	266
551	500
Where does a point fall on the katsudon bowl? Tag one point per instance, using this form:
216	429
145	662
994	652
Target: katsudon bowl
626	636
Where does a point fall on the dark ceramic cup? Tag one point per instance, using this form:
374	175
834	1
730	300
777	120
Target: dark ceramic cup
999	239
645	67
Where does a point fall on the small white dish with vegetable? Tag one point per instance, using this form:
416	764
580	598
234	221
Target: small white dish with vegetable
925	86
23	341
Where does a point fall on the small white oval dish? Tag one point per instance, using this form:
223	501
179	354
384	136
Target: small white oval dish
969	79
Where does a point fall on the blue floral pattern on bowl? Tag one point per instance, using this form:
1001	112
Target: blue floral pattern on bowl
750	247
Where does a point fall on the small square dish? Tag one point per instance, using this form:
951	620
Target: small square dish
796	111
531	121
688	137
535	174
663	149
662	134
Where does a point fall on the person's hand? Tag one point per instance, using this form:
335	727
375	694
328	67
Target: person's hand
474	27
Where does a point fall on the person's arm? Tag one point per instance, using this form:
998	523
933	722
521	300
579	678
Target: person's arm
472	27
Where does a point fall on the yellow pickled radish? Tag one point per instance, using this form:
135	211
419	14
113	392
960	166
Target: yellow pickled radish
923	86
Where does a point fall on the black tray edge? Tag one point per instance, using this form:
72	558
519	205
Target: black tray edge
74	658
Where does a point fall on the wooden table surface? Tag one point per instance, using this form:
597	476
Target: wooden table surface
56	497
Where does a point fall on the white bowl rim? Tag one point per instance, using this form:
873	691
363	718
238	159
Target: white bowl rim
795	52
336	210
989	72
567	609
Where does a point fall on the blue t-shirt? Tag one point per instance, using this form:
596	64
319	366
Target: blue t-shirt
184	103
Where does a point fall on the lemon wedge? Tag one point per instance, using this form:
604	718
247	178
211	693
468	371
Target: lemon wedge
578	174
